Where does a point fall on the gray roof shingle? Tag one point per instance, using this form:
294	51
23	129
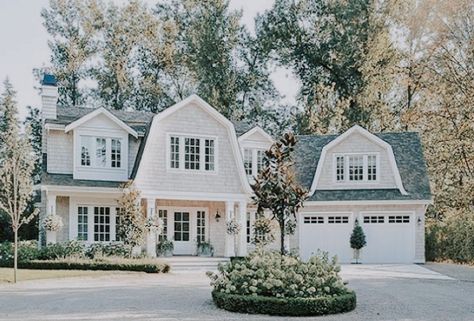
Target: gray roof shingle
67	180
409	157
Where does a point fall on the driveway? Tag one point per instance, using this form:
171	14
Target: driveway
384	292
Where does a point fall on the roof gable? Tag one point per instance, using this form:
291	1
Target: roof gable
256	131
97	112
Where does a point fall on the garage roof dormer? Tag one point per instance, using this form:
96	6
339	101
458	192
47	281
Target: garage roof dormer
373	139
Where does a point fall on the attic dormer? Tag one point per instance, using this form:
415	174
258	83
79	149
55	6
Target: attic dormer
253	145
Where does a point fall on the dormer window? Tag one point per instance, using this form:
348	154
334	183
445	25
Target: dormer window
108	152
253	161
355	168
192	153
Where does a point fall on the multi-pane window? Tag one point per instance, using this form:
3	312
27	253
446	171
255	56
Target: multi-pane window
101	223
100	152
399	219
371	168
248	161
209	154
201	226
356	167
340	168
313	220
338	219
82	224
374	219
174	152
116	153
163	215
191	153
181	226
85	151
248	228
260	156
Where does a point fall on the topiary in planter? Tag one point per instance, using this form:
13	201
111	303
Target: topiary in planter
271	283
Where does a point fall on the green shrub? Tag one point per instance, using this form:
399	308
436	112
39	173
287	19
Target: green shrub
271	274
27	250
62	250
285	306
107	265
118	249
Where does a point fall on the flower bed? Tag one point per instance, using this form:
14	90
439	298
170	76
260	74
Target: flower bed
285	306
271	283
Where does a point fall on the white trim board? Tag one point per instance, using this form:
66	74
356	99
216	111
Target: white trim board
96	113
369	202
368	135
256	129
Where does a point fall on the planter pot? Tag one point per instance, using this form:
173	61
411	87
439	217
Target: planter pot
356	257
51	237
205	252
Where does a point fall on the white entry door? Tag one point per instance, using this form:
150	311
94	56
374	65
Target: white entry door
328	232
183	243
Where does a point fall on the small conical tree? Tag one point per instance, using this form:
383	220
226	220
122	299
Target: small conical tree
357	240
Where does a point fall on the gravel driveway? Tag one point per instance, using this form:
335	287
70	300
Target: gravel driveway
386	292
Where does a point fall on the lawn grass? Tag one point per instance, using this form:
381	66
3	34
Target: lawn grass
6	274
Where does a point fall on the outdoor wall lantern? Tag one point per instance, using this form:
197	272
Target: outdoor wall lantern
419	220
218	216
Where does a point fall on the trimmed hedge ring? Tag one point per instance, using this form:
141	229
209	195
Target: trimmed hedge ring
285	306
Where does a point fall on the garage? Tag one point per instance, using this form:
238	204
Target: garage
329	232
390	237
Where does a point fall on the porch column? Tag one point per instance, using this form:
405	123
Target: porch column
242	237
51	210
229	239
150	235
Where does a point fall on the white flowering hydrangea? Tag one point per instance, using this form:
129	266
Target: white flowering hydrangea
271	274
52	223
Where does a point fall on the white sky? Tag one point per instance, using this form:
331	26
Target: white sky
24	46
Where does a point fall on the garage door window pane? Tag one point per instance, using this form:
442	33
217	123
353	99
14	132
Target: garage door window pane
399	219
374	219
338	219
314	220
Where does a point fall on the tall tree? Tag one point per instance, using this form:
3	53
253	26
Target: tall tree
17	162
72	45
276	188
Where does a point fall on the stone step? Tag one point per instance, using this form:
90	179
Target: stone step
194	263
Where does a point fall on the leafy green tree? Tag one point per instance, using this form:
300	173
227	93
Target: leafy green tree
72	46
276	188
357	240
17	162
131	228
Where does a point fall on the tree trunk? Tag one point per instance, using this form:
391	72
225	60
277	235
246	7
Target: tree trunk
282	238
15	256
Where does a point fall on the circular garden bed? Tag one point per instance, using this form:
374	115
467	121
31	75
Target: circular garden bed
287	307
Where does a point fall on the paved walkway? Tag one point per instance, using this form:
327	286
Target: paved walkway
387	292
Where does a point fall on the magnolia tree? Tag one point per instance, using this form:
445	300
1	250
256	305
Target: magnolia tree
17	163
276	188
132	223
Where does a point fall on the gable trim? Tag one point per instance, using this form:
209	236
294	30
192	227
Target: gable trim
368	135
256	129
97	112
216	115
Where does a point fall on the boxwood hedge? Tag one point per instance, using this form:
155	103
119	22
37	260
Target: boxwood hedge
285	306
95	265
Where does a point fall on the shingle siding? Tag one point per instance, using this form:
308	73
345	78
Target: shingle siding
60	152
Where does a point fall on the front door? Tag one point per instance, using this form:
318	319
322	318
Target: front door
183	244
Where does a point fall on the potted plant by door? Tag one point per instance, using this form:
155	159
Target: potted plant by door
165	248
205	249
357	241
52	224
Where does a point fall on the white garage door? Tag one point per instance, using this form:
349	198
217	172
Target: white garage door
390	238
326	232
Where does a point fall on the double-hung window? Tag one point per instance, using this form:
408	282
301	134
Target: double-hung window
355	168
253	161
192	153
100	152
248	162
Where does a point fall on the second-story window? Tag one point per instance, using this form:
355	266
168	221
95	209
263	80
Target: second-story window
116	153
192	153
248	161
100	152
260	156
253	161
355	168
85	151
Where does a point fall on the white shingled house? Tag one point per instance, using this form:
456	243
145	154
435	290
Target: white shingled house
193	167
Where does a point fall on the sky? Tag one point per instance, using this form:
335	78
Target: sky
24	46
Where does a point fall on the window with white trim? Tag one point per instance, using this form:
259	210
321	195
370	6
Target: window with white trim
104	152
192	153
201	226
248	161
163	215
260	157
82	223
350	168
116	153
101	223
174	152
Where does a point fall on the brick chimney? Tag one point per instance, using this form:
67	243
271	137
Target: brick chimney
49	97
